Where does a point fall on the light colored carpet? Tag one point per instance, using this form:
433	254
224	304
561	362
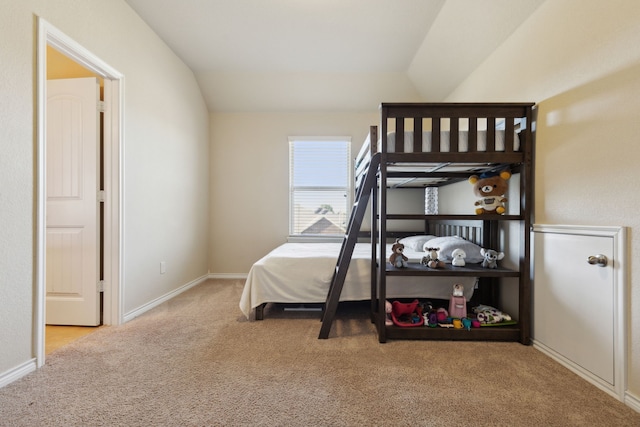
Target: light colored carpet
195	361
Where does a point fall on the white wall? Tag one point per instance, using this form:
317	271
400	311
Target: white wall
250	178
166	155
579	60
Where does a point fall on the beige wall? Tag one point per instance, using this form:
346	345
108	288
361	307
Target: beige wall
250	178
165	151
580	61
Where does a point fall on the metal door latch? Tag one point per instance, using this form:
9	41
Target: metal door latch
599	260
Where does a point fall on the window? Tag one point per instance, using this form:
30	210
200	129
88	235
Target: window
319	186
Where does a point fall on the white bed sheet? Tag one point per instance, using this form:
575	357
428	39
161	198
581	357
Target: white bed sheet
302	273
463	141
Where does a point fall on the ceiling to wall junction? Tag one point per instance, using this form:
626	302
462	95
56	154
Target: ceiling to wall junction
330	55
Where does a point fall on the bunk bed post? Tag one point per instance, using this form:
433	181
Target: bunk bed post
382	228
373	234
526	210
373	140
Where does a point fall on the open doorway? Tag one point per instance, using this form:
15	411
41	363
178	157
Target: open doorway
54	45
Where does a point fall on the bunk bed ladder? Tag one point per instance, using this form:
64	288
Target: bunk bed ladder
363	193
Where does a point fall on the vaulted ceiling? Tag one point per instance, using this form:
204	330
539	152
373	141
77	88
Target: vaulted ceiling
330	55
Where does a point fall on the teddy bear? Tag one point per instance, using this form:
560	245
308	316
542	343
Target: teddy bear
491	258
431	258
490	187
397	258
458	255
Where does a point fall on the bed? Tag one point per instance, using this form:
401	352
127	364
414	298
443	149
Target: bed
301	273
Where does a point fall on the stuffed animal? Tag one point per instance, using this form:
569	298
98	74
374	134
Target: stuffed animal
397	258
491	258
490	187
431	258
458	255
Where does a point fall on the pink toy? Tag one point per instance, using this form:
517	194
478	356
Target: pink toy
458	303
458	307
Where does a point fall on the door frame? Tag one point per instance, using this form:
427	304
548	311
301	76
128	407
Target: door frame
113	178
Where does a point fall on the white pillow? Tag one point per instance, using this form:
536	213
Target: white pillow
416	243
449	243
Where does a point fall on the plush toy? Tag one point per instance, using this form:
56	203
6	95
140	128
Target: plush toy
388	307
397	258
458	255
490	187
491	258
428	314
431	258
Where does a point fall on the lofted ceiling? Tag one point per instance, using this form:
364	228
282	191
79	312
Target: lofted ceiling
330	55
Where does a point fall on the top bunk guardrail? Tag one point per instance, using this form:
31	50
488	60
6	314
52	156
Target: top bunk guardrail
451	132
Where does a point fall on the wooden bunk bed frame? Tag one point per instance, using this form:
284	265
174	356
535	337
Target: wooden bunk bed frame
463	139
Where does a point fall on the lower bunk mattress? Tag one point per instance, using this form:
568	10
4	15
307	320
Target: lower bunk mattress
302	273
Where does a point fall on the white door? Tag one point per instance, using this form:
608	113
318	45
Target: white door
577	311
72	184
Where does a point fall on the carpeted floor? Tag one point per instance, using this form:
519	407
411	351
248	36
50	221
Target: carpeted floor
195	361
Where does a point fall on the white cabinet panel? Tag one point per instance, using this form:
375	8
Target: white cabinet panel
576	305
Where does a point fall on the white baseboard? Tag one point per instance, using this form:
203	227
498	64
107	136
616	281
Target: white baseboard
242	276
632	401
166	297
18	372
30	366
581	372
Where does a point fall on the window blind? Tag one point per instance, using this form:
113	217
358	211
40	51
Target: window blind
319	186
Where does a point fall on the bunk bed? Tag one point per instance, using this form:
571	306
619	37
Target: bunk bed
435	145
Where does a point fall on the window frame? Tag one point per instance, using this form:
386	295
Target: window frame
349	189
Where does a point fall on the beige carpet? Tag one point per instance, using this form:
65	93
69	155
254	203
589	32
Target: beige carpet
195	361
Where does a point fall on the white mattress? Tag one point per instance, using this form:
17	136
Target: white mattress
302	273
463	141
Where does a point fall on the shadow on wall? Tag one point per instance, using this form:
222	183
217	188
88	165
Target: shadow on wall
583	136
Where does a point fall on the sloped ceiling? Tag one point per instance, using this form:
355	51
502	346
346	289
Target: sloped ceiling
330	55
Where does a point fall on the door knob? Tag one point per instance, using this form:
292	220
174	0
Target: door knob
599	260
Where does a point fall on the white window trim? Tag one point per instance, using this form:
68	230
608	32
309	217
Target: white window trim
350	189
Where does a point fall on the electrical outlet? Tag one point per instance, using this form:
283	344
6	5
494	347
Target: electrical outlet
163	267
